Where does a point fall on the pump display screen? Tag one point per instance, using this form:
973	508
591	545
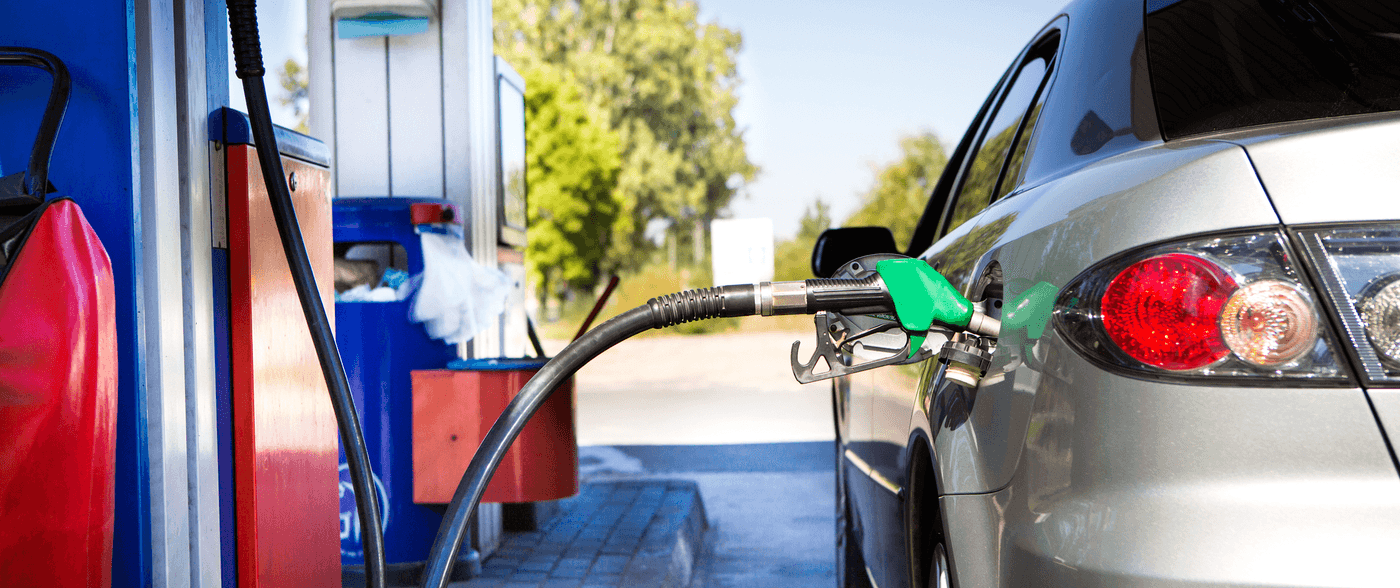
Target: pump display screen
512	181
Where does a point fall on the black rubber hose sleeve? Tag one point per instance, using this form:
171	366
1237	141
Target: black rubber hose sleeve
243	29
864	296
704	303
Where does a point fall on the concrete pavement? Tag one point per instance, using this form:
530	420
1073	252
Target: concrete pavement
724	412
699	389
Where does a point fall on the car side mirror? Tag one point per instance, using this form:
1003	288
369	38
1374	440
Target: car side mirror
837	246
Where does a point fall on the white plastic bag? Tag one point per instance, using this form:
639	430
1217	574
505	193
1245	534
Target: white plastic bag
363	293
457	297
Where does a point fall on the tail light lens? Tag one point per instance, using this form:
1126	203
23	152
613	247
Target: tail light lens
1216	308
1358	269
1165	311
1269	323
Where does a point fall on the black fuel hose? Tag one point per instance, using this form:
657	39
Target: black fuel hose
657	313
243	24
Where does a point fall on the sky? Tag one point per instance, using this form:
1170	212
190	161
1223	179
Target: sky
829	86
829	89
282	34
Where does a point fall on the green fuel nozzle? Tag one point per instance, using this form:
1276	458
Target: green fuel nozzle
917	295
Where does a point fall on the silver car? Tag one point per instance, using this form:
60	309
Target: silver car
1184	212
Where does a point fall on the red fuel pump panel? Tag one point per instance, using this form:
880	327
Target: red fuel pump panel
286	451
58	406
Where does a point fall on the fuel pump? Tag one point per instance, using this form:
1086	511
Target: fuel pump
906	294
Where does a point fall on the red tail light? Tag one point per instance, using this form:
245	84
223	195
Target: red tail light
1165	311
1214	308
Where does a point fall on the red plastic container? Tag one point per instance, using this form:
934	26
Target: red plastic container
58	406
453	410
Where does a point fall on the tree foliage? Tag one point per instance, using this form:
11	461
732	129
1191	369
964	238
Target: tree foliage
572	168
902	188
664	82
294	80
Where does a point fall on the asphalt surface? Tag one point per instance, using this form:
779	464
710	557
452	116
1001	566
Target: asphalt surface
725	412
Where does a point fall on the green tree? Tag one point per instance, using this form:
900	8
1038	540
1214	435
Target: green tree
792	259
294	80
666	85
572	168
902	188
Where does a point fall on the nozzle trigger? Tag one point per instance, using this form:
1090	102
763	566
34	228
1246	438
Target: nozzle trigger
834	337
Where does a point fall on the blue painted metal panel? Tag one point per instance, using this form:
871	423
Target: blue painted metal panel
94	161
217	95
216	53
232	126
383	220
380	347
223	406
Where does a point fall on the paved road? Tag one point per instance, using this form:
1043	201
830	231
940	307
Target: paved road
724	411
700	389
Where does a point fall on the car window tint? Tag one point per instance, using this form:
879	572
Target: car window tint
1228	64
981	176
1017	161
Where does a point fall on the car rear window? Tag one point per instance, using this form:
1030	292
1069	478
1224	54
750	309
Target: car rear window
1226	64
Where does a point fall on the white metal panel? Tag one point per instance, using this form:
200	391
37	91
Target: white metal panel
415	113
481	129
515	341
196	241
321	78
362	117
457	175
469	146
482	151
159	291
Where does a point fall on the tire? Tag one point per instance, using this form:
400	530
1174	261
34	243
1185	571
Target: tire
850	566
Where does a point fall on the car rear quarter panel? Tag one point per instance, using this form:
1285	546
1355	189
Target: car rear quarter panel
1048	235
1344	169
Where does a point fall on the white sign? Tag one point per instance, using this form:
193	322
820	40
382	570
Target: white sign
741	250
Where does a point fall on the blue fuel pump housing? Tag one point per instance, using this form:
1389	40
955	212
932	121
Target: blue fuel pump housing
380	346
